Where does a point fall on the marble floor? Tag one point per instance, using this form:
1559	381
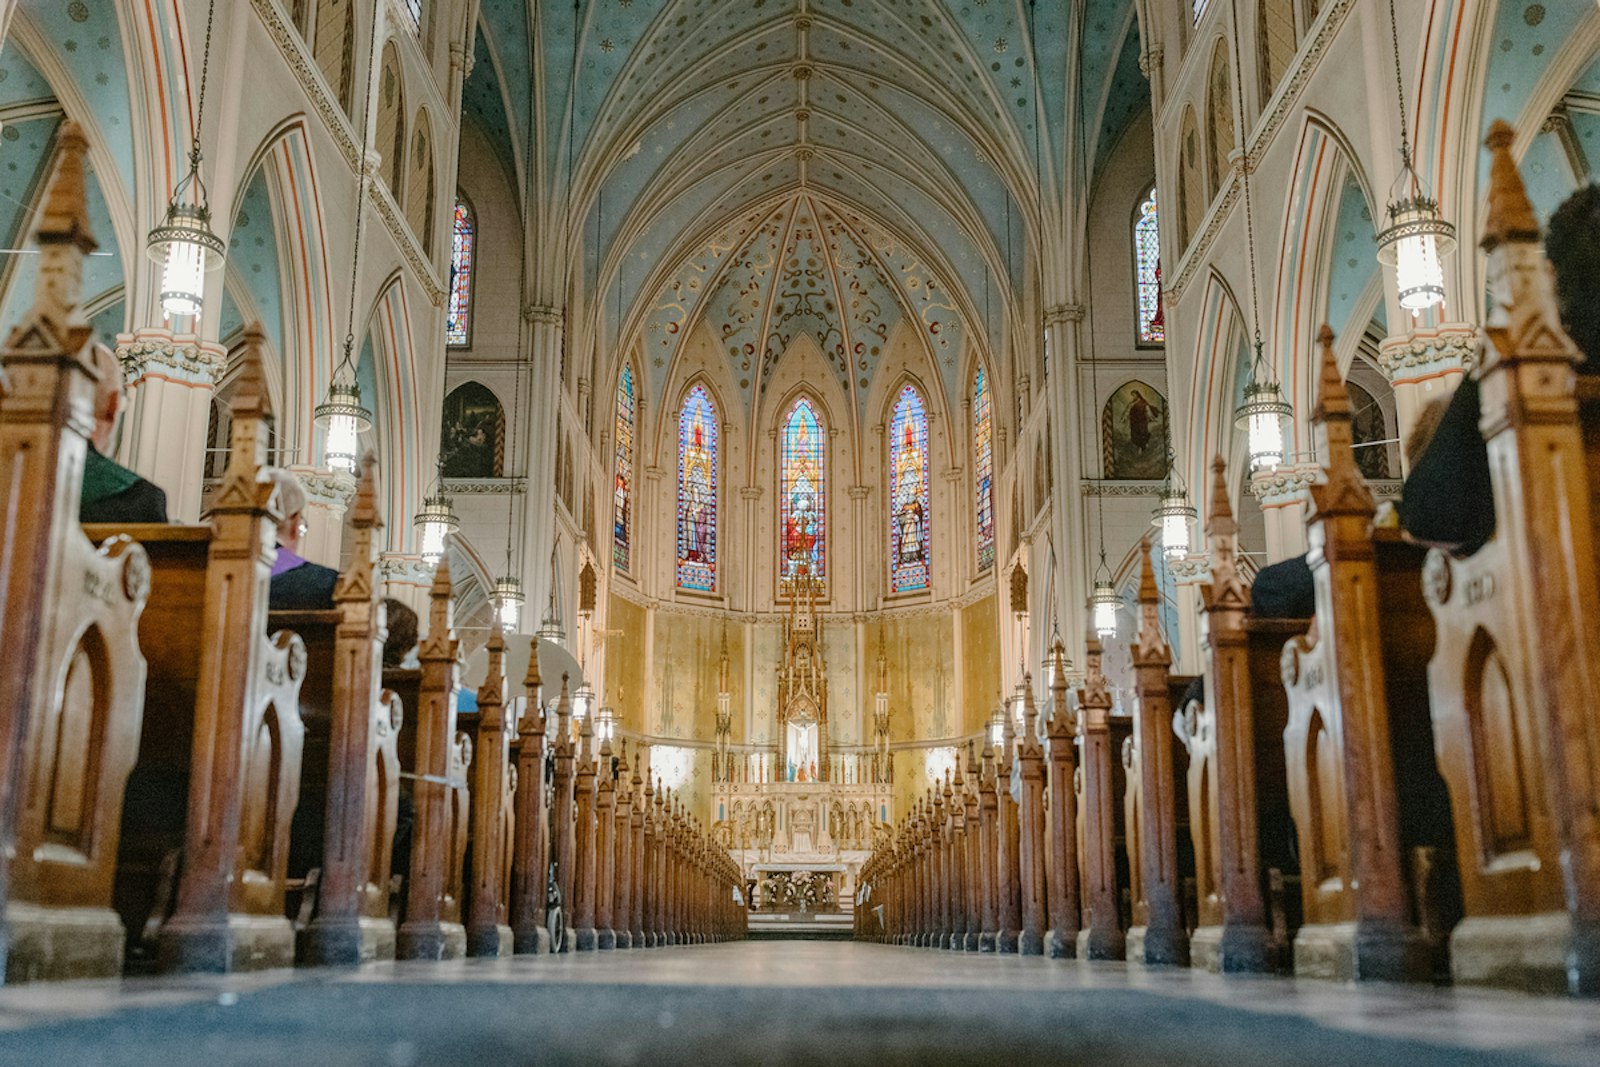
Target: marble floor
779	1002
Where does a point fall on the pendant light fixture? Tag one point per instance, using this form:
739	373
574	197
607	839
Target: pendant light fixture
508	601
342	416
1264	412
1417	238
436	521
184	244
1175	513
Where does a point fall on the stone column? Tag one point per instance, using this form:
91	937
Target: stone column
406	578
1191	573
328	495
1422	366
1282	493
170	379
1064	336
545	324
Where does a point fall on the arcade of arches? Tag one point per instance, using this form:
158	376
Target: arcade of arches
796	375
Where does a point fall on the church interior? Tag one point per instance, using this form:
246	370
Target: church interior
614	530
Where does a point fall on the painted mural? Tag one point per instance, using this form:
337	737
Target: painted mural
1133	430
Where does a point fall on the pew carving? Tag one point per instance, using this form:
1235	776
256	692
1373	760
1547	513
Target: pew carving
584	935
72	692
530	857
1007	865
1158	935
1515	677
488	933
1065	906
563	823
1030	756
1102	937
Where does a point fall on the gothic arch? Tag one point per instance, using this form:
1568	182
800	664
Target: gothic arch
1221	122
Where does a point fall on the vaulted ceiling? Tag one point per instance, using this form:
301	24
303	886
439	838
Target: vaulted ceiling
832	166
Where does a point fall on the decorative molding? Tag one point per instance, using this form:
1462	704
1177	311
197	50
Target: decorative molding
338	125
544	314
1427	354
404	568
479	486
326	488
750	492
1282	103
1119	487
191	361
983	587
1063	313
1282	484
1190	570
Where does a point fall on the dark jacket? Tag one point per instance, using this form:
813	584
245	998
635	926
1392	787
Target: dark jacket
306	587
1447	499
1284	590
113	493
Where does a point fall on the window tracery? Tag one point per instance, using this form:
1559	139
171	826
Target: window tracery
1147	272
908	493
697	492
463	257
622	485
983	466
802	496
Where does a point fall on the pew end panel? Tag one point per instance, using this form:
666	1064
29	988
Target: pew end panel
83	741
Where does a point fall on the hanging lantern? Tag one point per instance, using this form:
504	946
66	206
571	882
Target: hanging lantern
1103	606
1415	244
997	729
1262	416
582	701
508	602
184	244
1173	518
343	419
435	522
605	725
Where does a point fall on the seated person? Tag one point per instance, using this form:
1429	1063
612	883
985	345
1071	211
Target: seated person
112	492
297	584
1447	500
400	647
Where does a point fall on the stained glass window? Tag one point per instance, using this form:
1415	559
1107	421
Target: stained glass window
802	496
458	320
1147	273
622	490
908	493
983	465
697	493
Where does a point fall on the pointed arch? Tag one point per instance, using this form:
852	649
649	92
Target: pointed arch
1220	128
463	260
1152	329
390	137
627	408
419	183
983	465
334	47
910	500
802	491
699	461
1192	195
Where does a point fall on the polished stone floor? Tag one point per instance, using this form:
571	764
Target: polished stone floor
779	1002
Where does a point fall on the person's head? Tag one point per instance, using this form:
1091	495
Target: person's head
1572	245
108	394
292	495
402	632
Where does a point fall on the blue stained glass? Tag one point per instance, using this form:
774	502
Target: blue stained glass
908	493
622	489
697	493
983	466
1147	267
802	496
463	249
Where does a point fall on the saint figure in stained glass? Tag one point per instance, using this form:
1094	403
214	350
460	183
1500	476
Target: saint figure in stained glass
908	493
802	516
983	465
1147	267
457	321
697	493
622	490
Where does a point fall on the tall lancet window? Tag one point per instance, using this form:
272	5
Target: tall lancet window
622	490
697	493
983	466
463	252
908	493
802	494
1147	272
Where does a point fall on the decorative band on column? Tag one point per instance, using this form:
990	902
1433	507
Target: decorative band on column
1064	313
1194	569
547	314
404	568
1283	485
326	488
157	353
1428	355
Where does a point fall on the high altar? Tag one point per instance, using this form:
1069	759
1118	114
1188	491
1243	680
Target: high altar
802	806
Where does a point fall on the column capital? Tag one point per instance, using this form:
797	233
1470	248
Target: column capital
183	359
859	492
1425	355
1063	313
1190	570
1150	60
544	314
405	568
750	492
326	488
1280	485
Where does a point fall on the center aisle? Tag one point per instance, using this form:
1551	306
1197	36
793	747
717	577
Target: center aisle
776	1002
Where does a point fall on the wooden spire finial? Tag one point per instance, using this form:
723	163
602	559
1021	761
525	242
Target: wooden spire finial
532	681
1149	592
1221	510
492	692
1510	216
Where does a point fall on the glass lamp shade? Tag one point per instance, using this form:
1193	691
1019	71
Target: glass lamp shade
582	701
605	725
1173	518
1104	604
187	250
1262	416
997	731
508	603
1415	244
550	630
344	420
435	522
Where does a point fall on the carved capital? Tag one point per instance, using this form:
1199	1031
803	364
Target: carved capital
750	492
543	314
859	492
159	353
1451	348
1190	570
326	488
403	568
1282	484
1062	313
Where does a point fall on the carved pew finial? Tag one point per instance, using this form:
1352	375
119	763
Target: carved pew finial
355	583
1510	217
1343	489
1149	647
493	691
56	320
1227	589
564	719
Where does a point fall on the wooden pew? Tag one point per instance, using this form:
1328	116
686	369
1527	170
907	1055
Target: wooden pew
1062	883
1358	721
1237	791
1515	676
1101	830
493	813
72	691
1155	812
1031	814
219	764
